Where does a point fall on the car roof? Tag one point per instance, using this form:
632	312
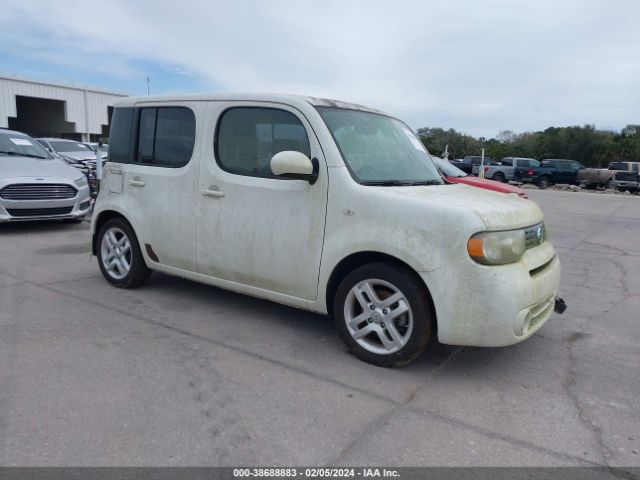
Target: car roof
12	132
256	97
57	139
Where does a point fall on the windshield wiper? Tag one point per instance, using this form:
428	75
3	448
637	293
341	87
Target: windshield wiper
16	154
387	183
425	182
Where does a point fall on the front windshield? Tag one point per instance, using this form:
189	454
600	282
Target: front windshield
69	147
449	170
378	149
15	144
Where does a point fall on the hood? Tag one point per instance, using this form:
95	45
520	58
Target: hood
79	155
11	167
489	184
496	210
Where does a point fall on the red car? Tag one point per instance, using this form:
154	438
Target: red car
455	175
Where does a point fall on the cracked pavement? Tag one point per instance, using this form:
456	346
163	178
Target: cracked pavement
177	373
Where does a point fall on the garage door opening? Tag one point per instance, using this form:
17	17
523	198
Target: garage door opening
42	117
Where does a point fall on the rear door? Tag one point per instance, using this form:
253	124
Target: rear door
161	182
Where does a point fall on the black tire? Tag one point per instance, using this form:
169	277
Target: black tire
138	272
419	302
499	177
543	182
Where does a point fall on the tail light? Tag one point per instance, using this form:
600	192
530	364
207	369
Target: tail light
530	172
486	169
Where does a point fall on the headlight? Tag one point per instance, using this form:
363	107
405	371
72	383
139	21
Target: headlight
81	182
497	248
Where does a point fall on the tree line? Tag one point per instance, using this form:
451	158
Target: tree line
586	144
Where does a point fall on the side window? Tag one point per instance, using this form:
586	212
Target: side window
120	135
507	161
247	138
166	136
146	134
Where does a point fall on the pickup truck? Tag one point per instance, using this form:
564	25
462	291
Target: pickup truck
550	172
466	164
620	175
504	171
625	175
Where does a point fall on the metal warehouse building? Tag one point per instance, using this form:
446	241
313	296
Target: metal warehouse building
51	110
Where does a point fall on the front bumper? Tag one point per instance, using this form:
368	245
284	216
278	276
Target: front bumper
624	184
494	306
45	209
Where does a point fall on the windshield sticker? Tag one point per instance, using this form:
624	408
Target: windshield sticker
414	140
21	141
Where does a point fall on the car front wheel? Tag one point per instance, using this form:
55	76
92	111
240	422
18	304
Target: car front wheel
384	314
119	256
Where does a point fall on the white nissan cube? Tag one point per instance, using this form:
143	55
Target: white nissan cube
326	206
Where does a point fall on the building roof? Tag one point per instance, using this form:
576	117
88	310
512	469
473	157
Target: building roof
69	86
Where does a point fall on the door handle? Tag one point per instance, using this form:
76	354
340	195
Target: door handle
136	183
212	193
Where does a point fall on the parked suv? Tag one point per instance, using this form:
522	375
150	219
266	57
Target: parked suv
549	172
505	171
326	206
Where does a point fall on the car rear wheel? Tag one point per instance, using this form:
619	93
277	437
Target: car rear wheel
384	314
543	182
119	256
499	177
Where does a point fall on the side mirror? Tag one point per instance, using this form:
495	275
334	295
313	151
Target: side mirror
295	165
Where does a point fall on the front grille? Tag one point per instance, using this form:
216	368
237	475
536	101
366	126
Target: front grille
541	268
626	176
38	212
37	191
534	235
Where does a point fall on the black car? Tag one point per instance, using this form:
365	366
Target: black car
466	164
550	172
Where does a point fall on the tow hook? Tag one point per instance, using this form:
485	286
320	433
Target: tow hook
560	306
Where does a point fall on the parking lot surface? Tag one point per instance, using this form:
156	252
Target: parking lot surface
178	373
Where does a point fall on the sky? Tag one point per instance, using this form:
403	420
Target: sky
477	66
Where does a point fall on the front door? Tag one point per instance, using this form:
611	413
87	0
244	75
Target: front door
255	228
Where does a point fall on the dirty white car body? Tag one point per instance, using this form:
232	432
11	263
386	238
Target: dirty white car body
294	241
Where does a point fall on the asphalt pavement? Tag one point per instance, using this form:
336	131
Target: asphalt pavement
177	373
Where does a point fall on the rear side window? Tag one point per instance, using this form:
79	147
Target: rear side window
120	135
247	138
166	136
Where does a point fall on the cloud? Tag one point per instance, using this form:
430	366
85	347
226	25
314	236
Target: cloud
479	67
